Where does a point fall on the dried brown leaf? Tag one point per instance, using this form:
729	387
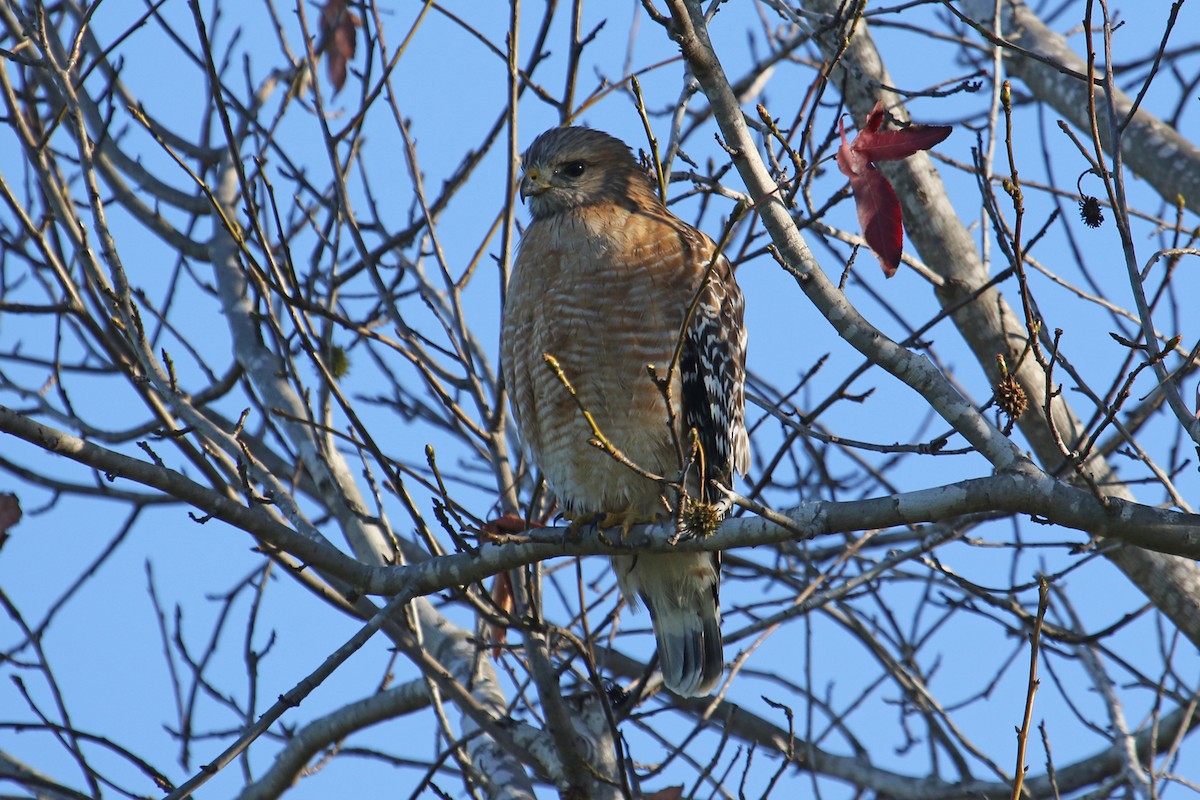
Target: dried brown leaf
10	511
669	793
339	40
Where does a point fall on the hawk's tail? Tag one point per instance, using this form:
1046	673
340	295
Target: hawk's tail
689	646
681	590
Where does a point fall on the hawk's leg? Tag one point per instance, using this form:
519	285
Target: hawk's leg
603	521
575	521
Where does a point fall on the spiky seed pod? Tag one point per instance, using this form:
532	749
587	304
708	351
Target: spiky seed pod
1011	397
1090	211
698	518
339	362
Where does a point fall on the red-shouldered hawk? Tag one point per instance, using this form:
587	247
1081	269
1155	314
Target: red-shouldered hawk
603	282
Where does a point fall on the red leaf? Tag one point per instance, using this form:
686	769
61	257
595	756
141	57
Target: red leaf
502	595
879	145
879	217
502	586
874	199
509	524
338	40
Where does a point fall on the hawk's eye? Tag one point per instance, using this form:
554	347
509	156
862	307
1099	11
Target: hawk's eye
574	169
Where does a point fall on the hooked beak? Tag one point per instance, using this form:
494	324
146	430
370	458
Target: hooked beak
532	183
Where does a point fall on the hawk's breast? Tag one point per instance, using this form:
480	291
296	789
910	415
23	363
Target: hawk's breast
604	291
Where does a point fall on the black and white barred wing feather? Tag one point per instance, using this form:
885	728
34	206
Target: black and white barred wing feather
712	368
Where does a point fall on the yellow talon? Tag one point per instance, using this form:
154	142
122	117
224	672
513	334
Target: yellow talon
575	521
625	520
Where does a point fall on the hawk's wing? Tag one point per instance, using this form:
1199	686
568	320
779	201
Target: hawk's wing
712	368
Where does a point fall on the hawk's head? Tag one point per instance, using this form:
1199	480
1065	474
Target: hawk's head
567	168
